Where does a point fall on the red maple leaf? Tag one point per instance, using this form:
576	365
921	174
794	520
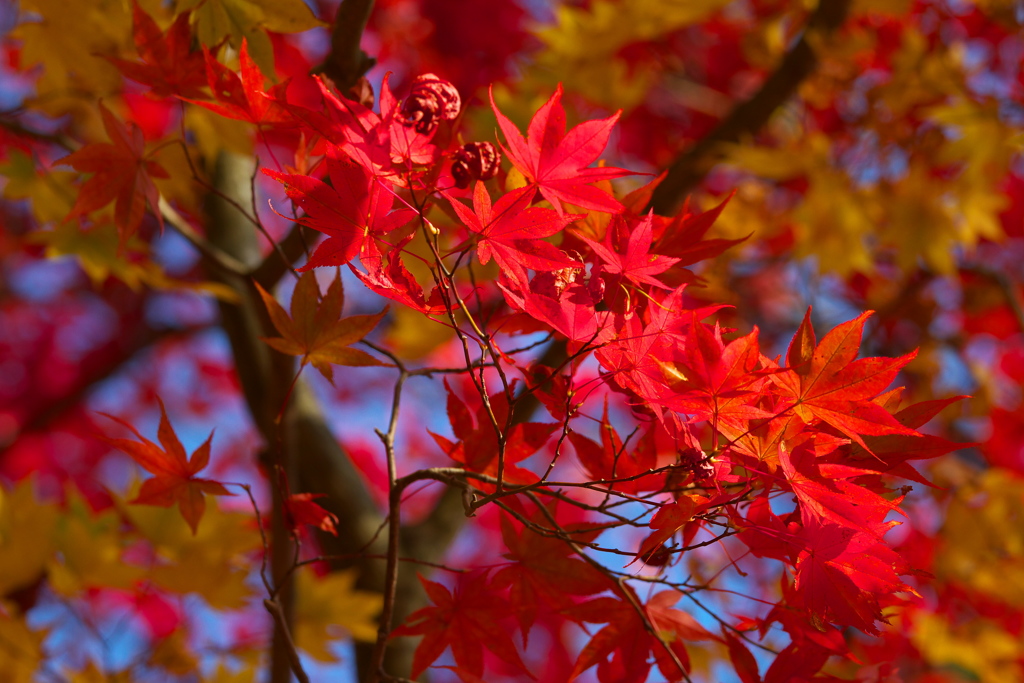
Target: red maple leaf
889	453
544	570
621	649
825	493
808	650
122	174
553	389
512	232
387	275
825	381
478	446
380	143
625	254
682	236
467	619
635	358
169	64
712	380
609	459
241	96
742	660
677	516
351	211
564	302
556	162
175	480
841	572
302	510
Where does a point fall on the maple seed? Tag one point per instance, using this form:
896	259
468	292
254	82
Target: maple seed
430	100
475	161
659	557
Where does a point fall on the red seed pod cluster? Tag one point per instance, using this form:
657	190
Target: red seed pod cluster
430	101
475	161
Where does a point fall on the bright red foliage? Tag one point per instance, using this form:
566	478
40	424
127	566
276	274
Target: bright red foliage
694	493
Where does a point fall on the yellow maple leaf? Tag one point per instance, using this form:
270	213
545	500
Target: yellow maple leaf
983	543
215	133
50	194
22	649
98	250
249	20
583	43
978	646
68	40
247	674
834	218
881	7
90	547
214	563
173	655
26	536
330	607
929	218
101	254
411	337
92	674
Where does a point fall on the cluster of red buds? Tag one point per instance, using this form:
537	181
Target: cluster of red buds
430	101
475	161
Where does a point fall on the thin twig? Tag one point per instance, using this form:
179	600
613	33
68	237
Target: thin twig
394	521
282	625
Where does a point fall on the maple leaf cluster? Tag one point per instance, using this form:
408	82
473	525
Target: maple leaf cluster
622	448
724	433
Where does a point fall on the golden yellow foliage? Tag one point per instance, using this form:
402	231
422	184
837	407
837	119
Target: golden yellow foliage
214	563
172	654
26	536
21	649
73	73
89	551
977	646
248	20
983	537
330	607
50	194
583	43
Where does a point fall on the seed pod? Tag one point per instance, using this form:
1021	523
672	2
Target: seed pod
659	557
475	160
430	100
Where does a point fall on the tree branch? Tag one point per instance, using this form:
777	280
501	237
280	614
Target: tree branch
264	375
347	63
689	169
222	260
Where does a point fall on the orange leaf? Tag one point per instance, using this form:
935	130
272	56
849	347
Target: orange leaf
122	174
303	510
830	384
174	480
315	329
